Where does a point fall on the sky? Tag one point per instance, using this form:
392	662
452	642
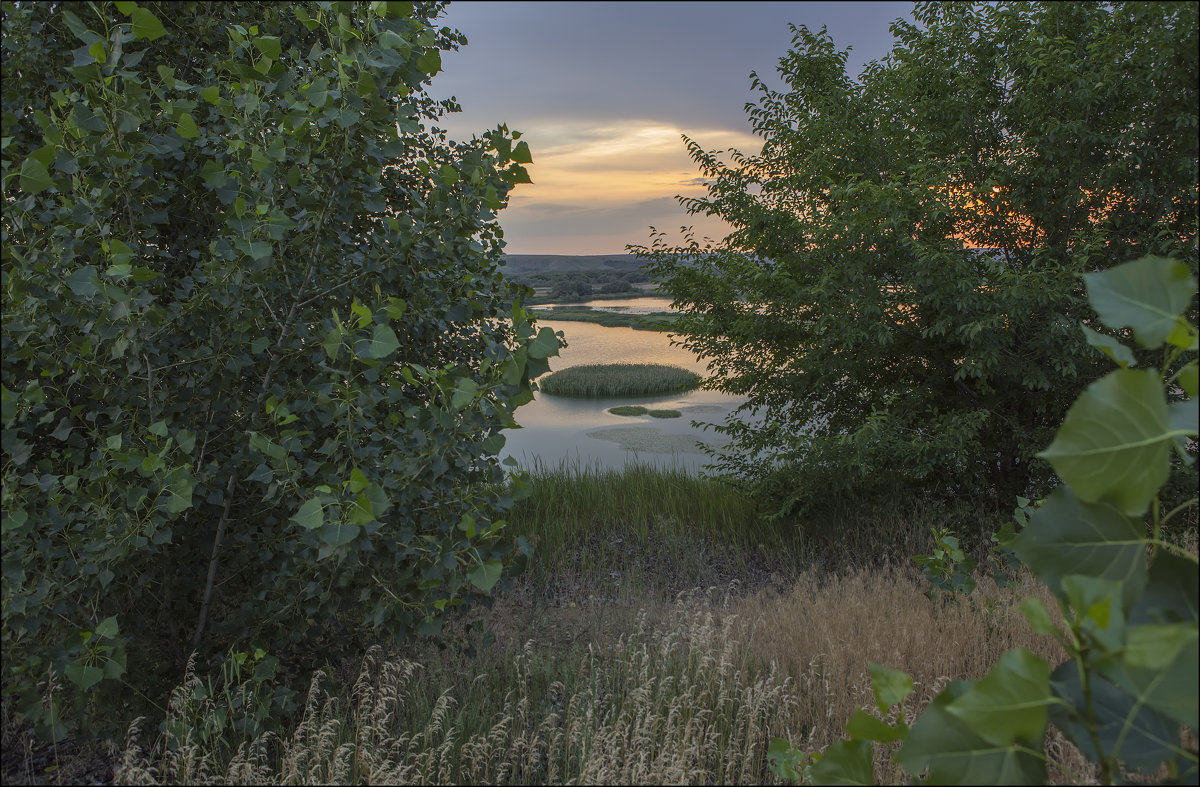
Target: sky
603	91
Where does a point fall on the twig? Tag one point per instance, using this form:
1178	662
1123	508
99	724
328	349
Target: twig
212	563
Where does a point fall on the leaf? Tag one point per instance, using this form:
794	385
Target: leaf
1115	441
34	176
146	25
84	676
1009	703
544	345
318	92
1183	418
108	628
1110	347
1160	669
430	62
311	515
845	762
1035	612
186	126
889	686
84	281
383	342
1189	380
336	535
486	575
1172	593
269	46
1147	295
1149	740
521	154
955	754
211	94
865	727
1068	536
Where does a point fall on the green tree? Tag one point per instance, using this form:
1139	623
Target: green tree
256	349
900	291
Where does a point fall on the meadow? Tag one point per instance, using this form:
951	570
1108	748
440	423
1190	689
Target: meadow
663	635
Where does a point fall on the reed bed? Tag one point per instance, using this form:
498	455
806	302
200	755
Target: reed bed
654	321
618	379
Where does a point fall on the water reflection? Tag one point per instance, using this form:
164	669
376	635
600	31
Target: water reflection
558	429
645	305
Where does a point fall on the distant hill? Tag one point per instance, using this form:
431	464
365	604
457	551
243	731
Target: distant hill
517	264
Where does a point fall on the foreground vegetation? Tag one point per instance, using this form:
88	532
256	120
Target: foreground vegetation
618	379
713	636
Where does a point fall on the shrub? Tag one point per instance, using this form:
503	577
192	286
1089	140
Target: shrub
256	358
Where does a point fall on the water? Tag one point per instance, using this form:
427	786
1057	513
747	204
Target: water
644	305
581	432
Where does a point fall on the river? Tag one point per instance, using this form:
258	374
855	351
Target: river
558	430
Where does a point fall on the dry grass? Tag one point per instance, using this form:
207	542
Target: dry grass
689	692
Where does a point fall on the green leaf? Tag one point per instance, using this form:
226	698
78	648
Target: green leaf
84	676
126	7
1068	536
211	94
1160	668
1010	702
486	575
383	342
358	481
1118	352
889	686
865	727
1183	418
493	444
34	176
1188	380
465	392
269	46
1172	593
311	515
336	535
318	92
544	345
845	762
1100	608
785	760
430	62
521	154
956	754
1115	441
1147	738
84	281
146	25
186	126
1147	295
108	628
1035	612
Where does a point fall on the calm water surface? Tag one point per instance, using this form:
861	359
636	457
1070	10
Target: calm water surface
581	432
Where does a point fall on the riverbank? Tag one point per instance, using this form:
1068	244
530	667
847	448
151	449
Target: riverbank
663	633
655	321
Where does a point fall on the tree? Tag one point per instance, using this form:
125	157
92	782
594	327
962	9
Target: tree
257	349
900	292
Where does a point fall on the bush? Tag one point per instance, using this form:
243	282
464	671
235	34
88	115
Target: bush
256	360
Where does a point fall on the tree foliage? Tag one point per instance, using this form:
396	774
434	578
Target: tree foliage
257	352
901	287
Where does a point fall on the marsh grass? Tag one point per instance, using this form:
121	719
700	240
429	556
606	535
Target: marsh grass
618	379
628	409
663	413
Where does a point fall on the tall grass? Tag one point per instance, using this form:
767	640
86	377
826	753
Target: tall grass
618	379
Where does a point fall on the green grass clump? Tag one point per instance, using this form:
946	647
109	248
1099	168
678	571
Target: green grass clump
619	379
628	409
664	413
655	321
